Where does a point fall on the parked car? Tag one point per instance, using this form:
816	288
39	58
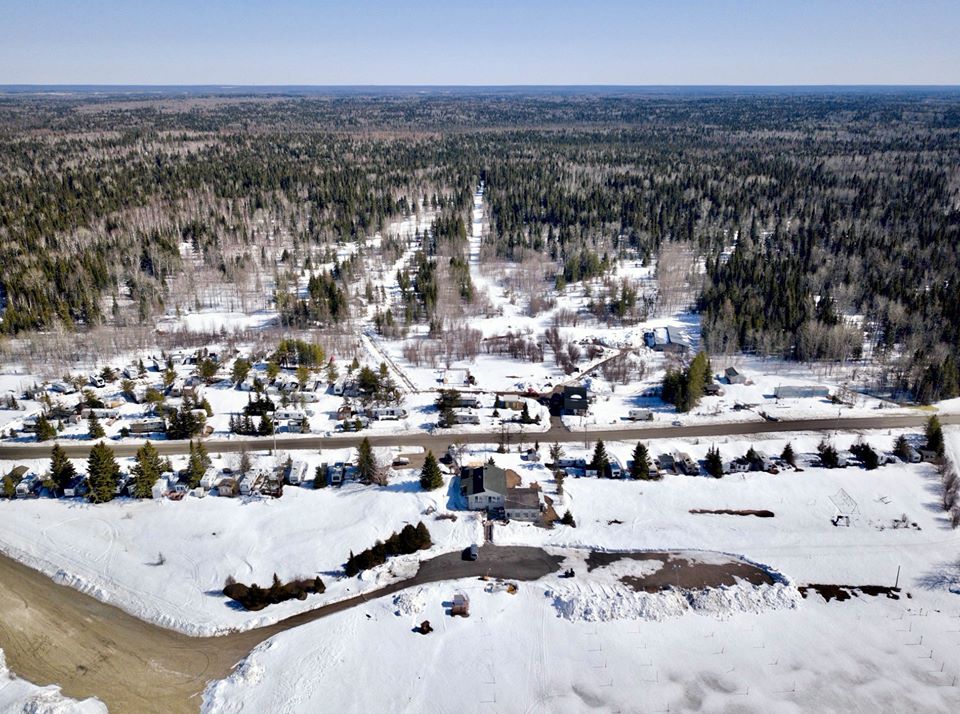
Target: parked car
471	553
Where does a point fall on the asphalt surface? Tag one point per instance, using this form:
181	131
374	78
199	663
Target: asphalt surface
439	441
53	634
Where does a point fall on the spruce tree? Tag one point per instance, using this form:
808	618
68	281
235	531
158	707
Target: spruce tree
828	455
45	430
146	471
103	473
266	426
640	468
600	460
423	536
320	477
713	462
366	463
901	447
934	433
430	476
62	471
195	465
525	414
94	428
788	456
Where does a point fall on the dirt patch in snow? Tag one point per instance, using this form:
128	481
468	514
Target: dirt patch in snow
691	574
845	592
684	570
727	512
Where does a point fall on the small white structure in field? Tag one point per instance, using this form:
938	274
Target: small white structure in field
846	508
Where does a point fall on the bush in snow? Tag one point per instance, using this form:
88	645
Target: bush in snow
408	540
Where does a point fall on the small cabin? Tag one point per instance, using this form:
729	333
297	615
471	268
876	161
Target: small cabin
228	487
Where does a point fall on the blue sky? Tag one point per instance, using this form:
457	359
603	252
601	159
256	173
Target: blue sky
483	42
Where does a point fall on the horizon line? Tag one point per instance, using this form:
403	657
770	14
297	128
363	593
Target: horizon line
597	85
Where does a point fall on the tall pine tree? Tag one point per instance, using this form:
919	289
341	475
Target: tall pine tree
640	468
146	471
61	469
430	476
103	473
366	463
600	460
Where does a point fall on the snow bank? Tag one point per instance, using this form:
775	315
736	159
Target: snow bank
613	602
410	603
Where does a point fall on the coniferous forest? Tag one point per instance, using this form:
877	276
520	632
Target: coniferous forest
821	224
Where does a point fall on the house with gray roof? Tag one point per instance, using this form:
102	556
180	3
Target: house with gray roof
484	487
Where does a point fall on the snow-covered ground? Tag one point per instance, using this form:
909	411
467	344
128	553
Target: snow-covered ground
589	643
113	551
19	695
516	653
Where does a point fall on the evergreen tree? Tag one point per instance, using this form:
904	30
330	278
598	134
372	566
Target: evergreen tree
320	477
788	456
640	468
45	430
901	448
366	463
934	434
430	476
240	371
146	471
103	472
62	471
94	428
423	536
828	455
713	462
266	427
525	414
567	520
868	457
195	464
600	460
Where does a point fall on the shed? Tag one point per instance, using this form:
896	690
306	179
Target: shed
734	376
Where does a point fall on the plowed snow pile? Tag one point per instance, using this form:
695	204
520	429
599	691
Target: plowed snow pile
601	603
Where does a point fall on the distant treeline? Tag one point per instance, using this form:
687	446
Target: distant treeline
804	208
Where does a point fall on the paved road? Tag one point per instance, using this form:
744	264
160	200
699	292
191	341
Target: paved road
439	441
54	634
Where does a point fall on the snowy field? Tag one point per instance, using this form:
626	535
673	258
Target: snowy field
516	654
113	551
735	649
19	695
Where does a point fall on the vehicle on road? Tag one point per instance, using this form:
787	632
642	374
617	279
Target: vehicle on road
471	553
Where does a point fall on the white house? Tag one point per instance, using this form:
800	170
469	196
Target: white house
484	487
